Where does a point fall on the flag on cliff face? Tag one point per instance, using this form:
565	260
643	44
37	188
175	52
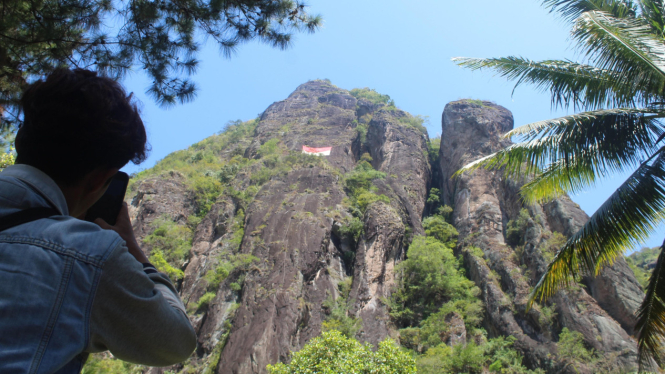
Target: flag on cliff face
324	151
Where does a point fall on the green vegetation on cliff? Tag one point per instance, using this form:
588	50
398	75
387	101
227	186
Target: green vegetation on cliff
333	353
642	263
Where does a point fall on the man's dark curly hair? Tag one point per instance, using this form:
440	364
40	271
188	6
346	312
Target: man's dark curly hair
75	122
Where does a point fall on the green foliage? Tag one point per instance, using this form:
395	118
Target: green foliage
430	278
434	196
552	245
268	148
642	263
225	265
476	102
170	244
337	312
414	122
201	165
620	85
361	177
158	259
372	96
547	314
205	299
103	363
496	356
172	239
359	184
7	159
516	229
437	227
333	353
352	228
366	198
162	38
446	212
433	148
206	190
571	347
361	129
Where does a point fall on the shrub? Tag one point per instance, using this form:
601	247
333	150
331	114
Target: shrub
571	347
551	246
158	260
437	227
433	197
205	300
352	229
362	176
338	317
497	355
430	278
372	96
433	148
414	123
516	229
334	353
171	244
225	266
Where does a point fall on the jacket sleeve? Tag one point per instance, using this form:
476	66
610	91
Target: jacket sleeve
138	316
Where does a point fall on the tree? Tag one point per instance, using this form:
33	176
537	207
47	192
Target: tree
160	36
333	353
621	88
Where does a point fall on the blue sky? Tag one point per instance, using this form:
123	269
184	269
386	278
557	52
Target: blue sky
398	47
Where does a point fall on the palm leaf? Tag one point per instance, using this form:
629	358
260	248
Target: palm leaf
568	82
627	218
652	11
570	153
650	324
572	9
625	46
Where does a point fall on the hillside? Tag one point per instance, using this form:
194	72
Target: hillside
269	246
642	263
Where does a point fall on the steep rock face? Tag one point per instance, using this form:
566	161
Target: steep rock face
379	250
289	222
398	151
483	204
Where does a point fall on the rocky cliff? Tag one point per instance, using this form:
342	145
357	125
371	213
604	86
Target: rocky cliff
264	241
600	308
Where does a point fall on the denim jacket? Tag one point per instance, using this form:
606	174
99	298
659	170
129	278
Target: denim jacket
68	288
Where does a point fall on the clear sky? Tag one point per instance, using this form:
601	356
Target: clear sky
398	47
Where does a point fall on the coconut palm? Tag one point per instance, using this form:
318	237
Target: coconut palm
621	88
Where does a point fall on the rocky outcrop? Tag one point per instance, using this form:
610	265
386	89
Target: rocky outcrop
379	250
275	305
269	254
483	203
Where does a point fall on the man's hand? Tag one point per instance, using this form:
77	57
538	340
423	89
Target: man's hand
123	226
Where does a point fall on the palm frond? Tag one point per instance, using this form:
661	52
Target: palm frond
559	125
653	11
570	153
625	219
562	177
650	324
626	46
569	83
572	9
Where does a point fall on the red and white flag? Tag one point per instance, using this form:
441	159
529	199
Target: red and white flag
325	151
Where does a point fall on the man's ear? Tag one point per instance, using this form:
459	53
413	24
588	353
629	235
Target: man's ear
100	178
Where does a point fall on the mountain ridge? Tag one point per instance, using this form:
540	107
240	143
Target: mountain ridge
265	243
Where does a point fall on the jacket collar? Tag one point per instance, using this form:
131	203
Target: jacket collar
41	182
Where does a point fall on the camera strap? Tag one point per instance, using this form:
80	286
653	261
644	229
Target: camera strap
25	216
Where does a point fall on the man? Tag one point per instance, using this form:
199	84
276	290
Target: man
70	287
